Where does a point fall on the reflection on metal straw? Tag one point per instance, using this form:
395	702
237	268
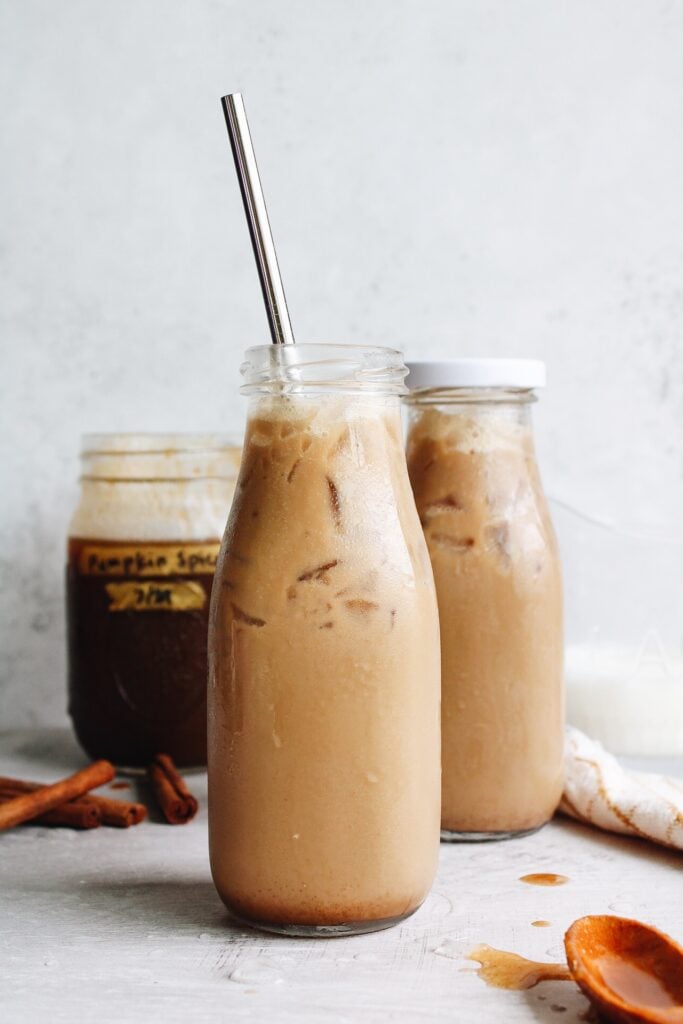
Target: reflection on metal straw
257	219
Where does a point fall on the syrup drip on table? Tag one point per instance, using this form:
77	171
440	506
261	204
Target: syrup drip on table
502	969
540	924
544	878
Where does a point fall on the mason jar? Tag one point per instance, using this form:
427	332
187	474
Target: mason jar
142	549
480	500
324	679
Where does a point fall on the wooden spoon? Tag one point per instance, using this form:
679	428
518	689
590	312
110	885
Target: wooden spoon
633	973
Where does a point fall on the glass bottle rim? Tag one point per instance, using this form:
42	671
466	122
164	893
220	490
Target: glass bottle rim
309	368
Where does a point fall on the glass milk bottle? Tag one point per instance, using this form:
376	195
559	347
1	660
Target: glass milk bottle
479	496
324	679
143	544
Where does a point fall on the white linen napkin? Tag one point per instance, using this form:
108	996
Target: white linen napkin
599	791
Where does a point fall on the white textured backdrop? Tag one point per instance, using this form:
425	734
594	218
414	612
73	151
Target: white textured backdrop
450	176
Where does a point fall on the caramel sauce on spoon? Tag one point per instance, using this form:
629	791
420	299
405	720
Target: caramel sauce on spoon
633	984
629	971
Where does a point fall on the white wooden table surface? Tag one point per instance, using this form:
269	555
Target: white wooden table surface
124	925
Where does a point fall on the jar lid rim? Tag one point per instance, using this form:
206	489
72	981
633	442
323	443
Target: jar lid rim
154	443
476	373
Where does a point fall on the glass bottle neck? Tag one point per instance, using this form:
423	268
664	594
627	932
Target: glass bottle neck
472	396
339	405
314	369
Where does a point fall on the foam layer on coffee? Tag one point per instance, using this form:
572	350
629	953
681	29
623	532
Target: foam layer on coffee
320	415
492	430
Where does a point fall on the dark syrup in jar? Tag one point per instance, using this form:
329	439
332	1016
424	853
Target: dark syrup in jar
137	618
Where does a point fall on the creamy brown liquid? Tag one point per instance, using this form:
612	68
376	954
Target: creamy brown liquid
499	589
324	675
502	969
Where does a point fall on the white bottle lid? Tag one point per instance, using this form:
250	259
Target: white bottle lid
477	373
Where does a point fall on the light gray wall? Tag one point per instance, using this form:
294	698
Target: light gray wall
450	176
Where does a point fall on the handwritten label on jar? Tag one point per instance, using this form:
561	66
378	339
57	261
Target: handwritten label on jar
140	560
155	596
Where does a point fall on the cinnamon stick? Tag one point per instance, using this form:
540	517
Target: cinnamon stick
28	806
74	814
101	809
118	813
175	800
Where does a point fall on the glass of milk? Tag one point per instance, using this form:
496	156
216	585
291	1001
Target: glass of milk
624	622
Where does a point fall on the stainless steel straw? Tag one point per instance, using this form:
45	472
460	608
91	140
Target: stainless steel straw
257	219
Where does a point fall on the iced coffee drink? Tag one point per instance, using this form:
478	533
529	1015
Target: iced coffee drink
479	496
324	656
143	545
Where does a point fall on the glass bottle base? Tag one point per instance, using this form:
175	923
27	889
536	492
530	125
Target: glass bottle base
450	836
325	931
